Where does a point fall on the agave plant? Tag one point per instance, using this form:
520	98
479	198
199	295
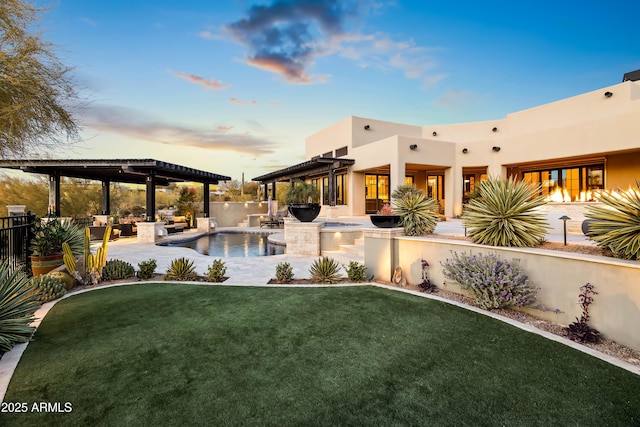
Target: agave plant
181	269
418	211
325	270
615	225
18	302
505	214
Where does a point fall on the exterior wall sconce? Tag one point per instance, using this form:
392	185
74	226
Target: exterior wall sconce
367	127
494	130
413	146
608	94
434	133
465	150
495	148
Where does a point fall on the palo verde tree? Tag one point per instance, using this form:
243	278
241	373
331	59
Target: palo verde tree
36	93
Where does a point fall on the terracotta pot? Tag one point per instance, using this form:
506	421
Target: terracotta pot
386	221
44	264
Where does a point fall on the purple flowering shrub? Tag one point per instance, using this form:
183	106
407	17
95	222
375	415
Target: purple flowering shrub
495	283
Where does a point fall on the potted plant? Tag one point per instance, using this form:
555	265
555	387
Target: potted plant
302	199
46	243
385	218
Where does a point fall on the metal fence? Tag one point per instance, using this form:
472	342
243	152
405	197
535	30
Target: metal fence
15	239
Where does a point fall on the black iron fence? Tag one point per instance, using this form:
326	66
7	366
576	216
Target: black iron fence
15	239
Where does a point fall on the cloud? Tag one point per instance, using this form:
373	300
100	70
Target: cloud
211	84
134	124
284	37
288	36
241	102
89	21
223	128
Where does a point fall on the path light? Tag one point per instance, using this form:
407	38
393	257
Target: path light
564	219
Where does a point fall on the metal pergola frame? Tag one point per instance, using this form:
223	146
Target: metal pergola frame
149	172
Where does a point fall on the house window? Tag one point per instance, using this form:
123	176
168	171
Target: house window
341	152
341	189
568	184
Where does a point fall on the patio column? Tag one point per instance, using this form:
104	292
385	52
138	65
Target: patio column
332	187
273	190
54	194
151	196
106	197
205	199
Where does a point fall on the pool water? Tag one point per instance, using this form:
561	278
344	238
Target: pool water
231	245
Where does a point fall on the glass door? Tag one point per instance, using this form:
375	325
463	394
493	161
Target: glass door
377	192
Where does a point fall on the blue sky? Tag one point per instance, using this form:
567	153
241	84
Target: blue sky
236	86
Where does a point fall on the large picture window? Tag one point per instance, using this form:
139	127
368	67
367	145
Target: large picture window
568	184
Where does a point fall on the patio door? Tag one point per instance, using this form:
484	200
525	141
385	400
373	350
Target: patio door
377	192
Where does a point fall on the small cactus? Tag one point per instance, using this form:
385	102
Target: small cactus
116	269
284	272
147	268
48	287
356	272
216	271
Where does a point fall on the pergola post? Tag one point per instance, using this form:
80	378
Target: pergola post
273	190
205	199
106	197
54	194
150	181
332	187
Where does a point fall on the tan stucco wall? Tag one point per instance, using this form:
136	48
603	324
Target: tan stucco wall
230	214
623	170
586	125
615	311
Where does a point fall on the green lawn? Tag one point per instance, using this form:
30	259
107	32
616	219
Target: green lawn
176	354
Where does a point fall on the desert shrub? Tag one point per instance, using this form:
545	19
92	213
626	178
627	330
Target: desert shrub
147	268
18	302
325	270
580	330
116	269
504	214
48	287
216	271
418	212
356	272
284	272
426	285
495	283
181	269
615	225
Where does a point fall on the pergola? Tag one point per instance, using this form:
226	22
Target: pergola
304	170
149	172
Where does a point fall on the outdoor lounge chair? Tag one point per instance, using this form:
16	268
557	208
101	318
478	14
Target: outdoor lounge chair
275	221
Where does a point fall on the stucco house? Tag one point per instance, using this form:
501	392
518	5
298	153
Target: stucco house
570	147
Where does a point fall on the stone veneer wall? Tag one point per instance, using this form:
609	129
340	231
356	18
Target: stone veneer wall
303	238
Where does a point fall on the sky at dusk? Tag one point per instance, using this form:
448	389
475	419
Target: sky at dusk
236	86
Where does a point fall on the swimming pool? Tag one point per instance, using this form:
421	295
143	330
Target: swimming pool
225	244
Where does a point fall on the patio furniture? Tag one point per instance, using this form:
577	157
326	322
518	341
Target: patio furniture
275	221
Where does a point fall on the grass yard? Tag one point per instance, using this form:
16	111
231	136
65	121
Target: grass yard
176	354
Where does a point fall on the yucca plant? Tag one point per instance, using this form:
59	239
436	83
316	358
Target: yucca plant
418	212
325	270
615	225
18	302
181	269
505	214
